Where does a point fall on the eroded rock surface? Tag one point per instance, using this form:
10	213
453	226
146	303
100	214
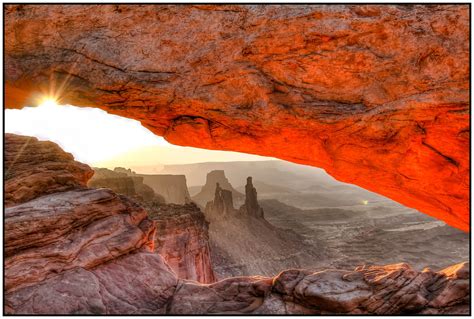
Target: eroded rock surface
74	250
34	168
221	206
251	206
81	228
377	95
182	238
172	188
138	283
392	289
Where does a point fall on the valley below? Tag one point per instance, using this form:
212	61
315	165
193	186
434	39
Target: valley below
386	233
313	221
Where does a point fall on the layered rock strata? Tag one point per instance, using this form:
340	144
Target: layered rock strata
34	168
128	185
173	188
377	95
380	290
73	250
183	240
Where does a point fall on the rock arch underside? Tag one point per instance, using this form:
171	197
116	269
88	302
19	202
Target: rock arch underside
378	96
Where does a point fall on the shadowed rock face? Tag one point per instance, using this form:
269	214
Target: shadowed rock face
222	206
378	96
126	184
182	239
251	206
172	188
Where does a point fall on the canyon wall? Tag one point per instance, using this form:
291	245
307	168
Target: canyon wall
183	240
90	251
122	183
172	187
377	95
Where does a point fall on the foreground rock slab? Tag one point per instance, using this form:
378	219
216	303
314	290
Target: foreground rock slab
73	250
377	95
72	229
138	283
382	290
34	168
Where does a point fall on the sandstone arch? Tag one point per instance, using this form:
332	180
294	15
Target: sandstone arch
378	96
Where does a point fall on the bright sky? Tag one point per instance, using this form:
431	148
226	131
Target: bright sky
100	139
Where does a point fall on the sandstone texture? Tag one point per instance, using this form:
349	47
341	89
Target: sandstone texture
34	168
381	290
377	95
183	240
138	283
73	250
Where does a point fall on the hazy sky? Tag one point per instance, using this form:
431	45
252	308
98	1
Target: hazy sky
101	139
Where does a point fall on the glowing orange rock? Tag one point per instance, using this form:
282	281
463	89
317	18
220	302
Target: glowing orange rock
378	96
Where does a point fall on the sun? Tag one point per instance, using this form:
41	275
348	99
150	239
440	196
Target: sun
48	102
